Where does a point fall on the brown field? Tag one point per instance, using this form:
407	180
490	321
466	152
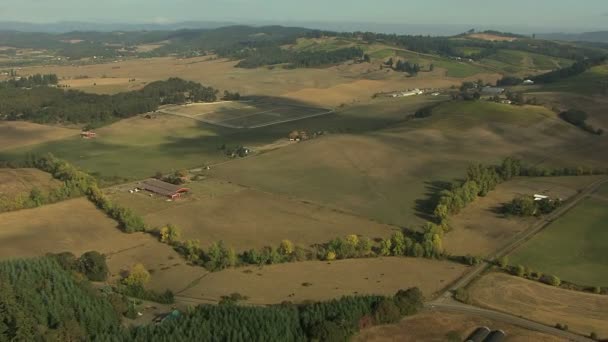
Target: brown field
18	181
583	312
594	105
15	134
430	326
102	85
325	87
77	226
491	37
245	218
480	230
277	283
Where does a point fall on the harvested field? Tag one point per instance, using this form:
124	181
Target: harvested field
245	114
582	312
246	218
14	134
574	246
480	229
103	85
318	280
439	326
77	226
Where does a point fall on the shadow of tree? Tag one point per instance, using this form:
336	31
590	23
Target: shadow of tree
424	207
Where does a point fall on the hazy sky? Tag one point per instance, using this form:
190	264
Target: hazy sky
566	14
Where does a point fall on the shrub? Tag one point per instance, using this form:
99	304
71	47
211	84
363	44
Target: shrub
550	280
462	295
93	265
387	312
409	301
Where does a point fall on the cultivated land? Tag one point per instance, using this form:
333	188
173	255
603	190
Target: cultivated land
22	181
286	282
439	326
583	234
77	226
480	229
14	134
582	312
385	174
246	218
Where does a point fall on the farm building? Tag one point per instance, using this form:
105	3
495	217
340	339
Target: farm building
528	82
496	336
492	90
162	188
540	197
88	134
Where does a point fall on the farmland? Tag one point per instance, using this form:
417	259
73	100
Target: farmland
14	134
582	312
438	326
480	229
583	233
245	114
317	280
19	181
245	218
382	175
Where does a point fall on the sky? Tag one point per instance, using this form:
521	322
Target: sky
558	15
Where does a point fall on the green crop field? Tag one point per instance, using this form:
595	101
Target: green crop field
574	246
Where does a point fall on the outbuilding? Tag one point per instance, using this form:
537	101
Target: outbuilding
496	336
163	188
479	334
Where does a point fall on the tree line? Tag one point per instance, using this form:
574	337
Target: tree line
294	59
578	118
54	105
577	68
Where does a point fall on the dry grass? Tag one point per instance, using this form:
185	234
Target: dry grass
327	280
103	85
77	226
582	312
15	134
491	37
246	218
480	230
18	181
325	87
434	326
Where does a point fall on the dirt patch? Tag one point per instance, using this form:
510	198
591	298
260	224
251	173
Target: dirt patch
318	280
582	312
436	325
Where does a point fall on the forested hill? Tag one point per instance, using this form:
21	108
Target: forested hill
267	45
31	99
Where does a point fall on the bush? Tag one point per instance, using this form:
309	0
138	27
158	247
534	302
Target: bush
550	280
409	301
93	266
462	295
387	312
138	291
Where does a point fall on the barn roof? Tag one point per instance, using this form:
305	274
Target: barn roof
161	188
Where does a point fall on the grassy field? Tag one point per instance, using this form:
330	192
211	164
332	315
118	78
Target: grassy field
20	181
590	82
383	175
77	226
246	218
14	134
582	312
286	282
480	230
439	326
251	114
573	247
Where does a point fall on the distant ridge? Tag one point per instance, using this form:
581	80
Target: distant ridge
70	26
594	37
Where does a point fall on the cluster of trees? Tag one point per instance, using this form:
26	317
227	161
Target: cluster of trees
36	80
575	69
579	118
480	180
411	68
51	105
335	320
91	264
303	59
39	300
228	96
133	285
528	206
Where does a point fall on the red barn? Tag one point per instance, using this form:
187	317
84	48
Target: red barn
163	188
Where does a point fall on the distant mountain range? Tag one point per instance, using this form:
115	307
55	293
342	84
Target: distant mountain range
595	37
70	26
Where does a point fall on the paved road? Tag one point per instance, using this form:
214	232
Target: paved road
506	318
445	301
